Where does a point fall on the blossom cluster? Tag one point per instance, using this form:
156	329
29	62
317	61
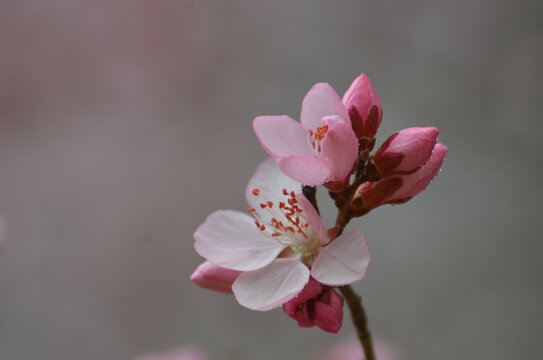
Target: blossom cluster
280	253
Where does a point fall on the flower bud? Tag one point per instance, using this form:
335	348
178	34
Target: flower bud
329	311
317	305
419	180
364	107
400	188
213	277
372	194
406	151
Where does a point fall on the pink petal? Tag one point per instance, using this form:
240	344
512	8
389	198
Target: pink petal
311	290
322	100
271	181
406	151
350	349
281	136
182	353
343	261
339	147
418	181
360	100
329	311
300	313
315	221
231	240
307	171
272	286
213	277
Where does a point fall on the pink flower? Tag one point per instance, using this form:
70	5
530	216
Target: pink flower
213	277
322	148
350	349
401	188
182	353
364	107
317	305
280	246
406	151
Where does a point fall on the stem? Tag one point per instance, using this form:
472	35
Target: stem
354	301
360	321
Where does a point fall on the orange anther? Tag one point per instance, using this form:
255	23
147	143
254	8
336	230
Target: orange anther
321	131
263	206
285	192
262	228
251	210
256	192
270	204
275	234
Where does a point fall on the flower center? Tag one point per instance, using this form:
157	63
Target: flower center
288	225
314	139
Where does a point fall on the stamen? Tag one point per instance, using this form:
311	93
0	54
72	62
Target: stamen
256	192
251	210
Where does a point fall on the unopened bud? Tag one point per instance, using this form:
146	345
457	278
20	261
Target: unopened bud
213	277
317	305
406	151
364	107
370	195
419	180
399	188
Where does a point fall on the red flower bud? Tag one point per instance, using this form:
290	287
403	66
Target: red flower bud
406	151
364	107
400	188
317	305
419	180
213	277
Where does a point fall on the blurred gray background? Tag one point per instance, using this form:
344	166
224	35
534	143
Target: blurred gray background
124	123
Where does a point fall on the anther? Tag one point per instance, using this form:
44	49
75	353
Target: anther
251	210
263	206
256	192
270	204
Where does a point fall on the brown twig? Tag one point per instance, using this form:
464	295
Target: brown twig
360	321
354	301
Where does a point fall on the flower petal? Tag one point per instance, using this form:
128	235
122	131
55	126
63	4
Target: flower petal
315	221
339	147
281	136
307	171
213	277
322	100
271	286
344	261
270	181
230	239
329	311
418	181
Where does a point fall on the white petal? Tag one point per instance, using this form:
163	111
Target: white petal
270	181
344	261
231	240
271	286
